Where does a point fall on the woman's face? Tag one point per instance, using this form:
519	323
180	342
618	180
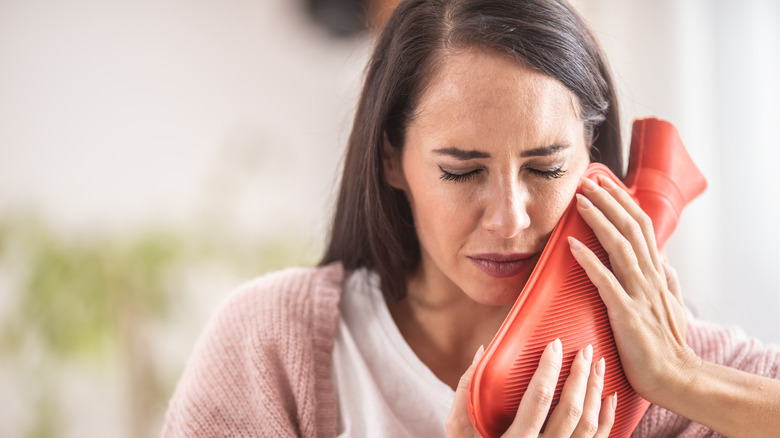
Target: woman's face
491	161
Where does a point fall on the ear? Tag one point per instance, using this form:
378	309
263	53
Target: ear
391	163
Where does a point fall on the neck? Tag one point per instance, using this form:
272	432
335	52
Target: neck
444	326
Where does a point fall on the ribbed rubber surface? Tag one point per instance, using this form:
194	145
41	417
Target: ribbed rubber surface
577	307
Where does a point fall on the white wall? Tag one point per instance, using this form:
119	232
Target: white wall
712	68
115	114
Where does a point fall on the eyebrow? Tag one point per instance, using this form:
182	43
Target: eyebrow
464	155
544	151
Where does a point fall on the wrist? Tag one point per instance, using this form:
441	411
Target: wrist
678	380
729	401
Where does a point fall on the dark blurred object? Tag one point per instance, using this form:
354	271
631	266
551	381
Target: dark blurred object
380	12
345	18
342	18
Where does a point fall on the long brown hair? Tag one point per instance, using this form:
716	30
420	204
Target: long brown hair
372	224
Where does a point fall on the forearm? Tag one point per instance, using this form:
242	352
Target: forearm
729	401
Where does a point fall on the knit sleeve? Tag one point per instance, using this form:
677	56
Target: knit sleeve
261	366
728	346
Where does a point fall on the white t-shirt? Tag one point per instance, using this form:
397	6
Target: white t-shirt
382	387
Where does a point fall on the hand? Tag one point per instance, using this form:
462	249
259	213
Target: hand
642	296
579	413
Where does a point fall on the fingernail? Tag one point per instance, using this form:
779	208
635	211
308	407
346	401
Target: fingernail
478	354
574	243
556	345
587	353
614	401
588	184
606	182
584	202
600	367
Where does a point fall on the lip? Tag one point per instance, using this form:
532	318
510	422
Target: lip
503	265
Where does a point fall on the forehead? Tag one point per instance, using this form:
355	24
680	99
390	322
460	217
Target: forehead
480	87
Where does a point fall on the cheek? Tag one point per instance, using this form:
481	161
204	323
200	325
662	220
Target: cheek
441	211
548	206
552	201
561	199
444	213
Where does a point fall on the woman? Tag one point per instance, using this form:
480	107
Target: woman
476	123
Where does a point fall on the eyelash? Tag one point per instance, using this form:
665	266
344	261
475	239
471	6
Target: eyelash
458	177
549	174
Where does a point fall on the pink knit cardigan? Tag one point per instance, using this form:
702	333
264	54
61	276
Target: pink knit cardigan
262	365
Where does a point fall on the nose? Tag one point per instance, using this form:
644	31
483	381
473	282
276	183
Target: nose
506	212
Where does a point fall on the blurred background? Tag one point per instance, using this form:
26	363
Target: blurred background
156	154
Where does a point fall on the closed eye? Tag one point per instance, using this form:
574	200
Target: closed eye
548	174
458	177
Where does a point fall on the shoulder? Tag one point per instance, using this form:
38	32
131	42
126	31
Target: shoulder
259	363
288	291
272	314
271	306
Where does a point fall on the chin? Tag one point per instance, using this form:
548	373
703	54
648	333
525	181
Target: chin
502	293
492	291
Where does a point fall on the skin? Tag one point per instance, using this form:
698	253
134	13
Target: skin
489	166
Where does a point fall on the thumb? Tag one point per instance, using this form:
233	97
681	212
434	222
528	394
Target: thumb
458	422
